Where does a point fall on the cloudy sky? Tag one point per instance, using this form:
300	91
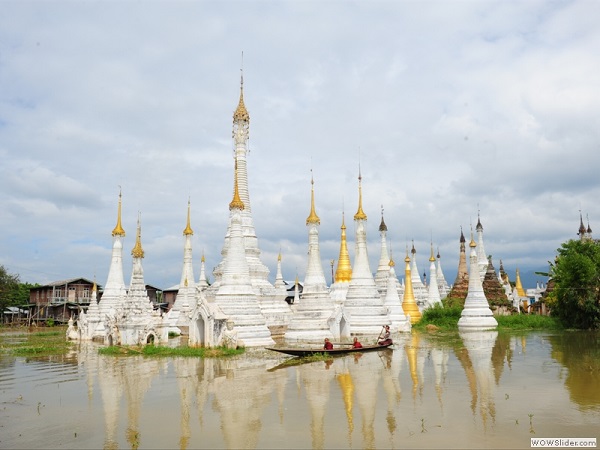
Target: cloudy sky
450	107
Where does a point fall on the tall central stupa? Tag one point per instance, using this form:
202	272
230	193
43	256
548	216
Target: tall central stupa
258	271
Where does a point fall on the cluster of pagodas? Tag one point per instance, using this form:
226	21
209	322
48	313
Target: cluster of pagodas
241	306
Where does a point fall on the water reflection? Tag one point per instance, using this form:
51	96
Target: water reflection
476	359
357	401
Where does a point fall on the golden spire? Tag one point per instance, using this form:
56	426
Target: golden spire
519	285
138	251
188	229
202	259
472	244
241	113
312	218
279	256
119	231
409	304
432	258
360	214
391	263
344	268
237	201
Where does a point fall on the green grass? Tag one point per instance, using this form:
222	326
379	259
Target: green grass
446	319
36	344
528	322
158	351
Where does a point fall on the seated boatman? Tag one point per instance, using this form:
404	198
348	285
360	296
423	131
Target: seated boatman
386	339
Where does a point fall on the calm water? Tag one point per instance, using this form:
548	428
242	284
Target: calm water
482	390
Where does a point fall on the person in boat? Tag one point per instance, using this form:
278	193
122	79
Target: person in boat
385	339
328	345
355	343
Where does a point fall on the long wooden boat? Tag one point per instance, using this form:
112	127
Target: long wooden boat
335	351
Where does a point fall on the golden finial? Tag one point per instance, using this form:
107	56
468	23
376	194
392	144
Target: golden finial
432	258
137	251
391	263
279	256
360	214
119	231
407	259
188	229
241	113
237	201
202	259
344	268
312	218
472	244
519	285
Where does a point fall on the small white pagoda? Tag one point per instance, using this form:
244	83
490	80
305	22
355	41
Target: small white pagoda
476	314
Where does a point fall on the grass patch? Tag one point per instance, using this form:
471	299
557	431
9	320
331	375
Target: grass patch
528	322
159	351
37	344
446	319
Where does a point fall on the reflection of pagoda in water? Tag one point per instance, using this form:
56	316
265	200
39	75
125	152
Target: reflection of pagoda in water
316	380
476	359
241	395
117	380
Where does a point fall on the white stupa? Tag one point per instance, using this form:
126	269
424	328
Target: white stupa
202	280
235	296
476	314
399	322
442	284
482	259
138	323
272	302
363	304
383	269
179	314
123	317
279	281
310	321
114	292
434	294
258	271
419	289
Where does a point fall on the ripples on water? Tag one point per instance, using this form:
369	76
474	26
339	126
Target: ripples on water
483	390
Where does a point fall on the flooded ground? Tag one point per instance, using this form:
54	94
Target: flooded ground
477	390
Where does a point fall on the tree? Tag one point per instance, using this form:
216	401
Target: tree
575	299
9	286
